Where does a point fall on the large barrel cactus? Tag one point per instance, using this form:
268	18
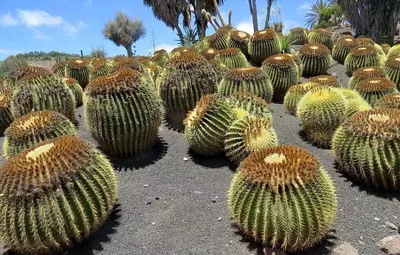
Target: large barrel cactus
295	93
343	47
263	44
75	88
297	36
366	148
391	101
239	39
325	80
186	79
206	125
316	59
232	58
374	89
392	69
247	135
219	68
283	197
209	53
43	92
366	73
123	113
134	64
322	36
246	104
20	72
34	128
6	116
59	68
366	41
355	102
250	79
219	40
79	70
54	195
362	56
321	111
283	73
99	67
394	51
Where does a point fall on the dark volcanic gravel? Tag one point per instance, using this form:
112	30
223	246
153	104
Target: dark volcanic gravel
171	206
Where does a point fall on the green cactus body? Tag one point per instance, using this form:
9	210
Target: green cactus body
316	59
391	101
321	111
247	135
343	47
362	56
394	51
321	36
201	45
392	69
39	92
34	128
161	52
59	68
386	48
232	58
365	41
20	72
179	50
250	79
263	44
297	36
76	90
283	73
209	53
219	40
79	70
239	39
6	117
123	113
355	102
366	73
295	93
206	125
325	80
300	65
246	104
374	89
282	197
132	63
160	59
367	148
54	195
219	68
99	67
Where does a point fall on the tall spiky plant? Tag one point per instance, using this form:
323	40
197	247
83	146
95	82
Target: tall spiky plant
314	13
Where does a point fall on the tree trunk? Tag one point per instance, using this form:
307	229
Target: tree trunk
269	6
253	12
129	50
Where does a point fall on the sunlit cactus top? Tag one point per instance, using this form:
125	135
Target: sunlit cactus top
240	36
365	50
315	49
209	53
246	73
365	41
5	97
131	63
369	72
393	62
78	63
348	41
325	80
187	61
263	35
280	61
375	84
389	101
229	52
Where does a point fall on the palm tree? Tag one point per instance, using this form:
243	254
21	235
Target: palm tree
124	31
315	12
373	18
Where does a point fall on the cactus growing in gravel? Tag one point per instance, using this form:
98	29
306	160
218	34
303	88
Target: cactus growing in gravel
186	78
232	58
59	68
295	93
246	104
5	108
366	147
366	73
297	36
123	113
263	44
219	40
43	92
392	69
321	111
206	125
355	102
79	70
239	39
247	135
283	197
394	51
343	47
209	53
76	90
55	194
134	64
321	36
34	128
374	89
316	59
250	79
325	80
362	56
283	73
391	101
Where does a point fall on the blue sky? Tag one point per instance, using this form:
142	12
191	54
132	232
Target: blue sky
72	25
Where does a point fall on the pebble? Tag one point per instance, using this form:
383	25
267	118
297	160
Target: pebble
198	192
390	245
344	249
391	225
185	159
220	218
153	223
146	185
148	203
157	198
376	218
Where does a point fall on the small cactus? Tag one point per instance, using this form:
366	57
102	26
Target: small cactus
79	70
343	47
366	73
297	36
294	95
322	36
239	39
362	56
316	59
232	58
263	44
374	89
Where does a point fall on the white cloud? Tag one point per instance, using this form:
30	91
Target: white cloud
165	46
38	18
246	25
9	51
41	36
303	8
8	20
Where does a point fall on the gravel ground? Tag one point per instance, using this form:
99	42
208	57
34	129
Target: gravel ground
171	206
